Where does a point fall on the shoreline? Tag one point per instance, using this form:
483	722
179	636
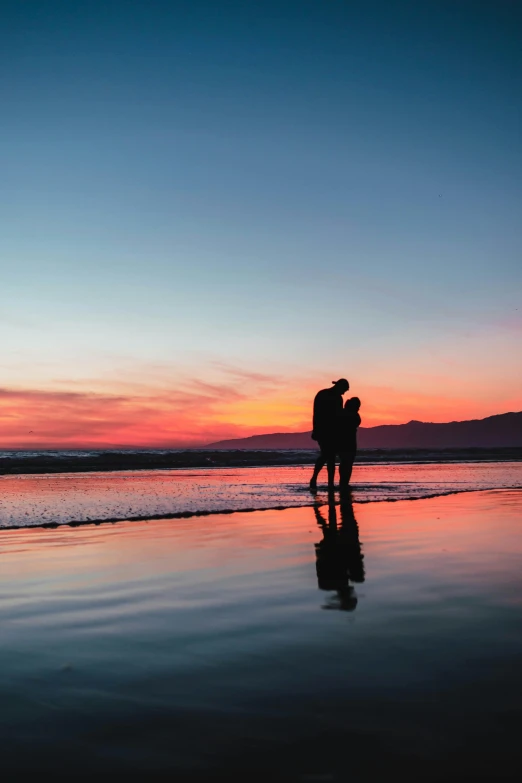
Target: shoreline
229	512
14	463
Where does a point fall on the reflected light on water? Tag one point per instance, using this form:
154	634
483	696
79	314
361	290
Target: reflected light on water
124	645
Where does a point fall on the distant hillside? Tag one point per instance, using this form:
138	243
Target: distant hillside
494	431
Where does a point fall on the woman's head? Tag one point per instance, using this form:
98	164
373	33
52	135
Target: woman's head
353	404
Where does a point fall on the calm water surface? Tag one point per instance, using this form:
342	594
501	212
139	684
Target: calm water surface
331	643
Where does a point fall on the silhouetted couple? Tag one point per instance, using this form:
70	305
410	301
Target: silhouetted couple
335	430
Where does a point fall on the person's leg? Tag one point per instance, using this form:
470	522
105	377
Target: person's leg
330	466
319	465
342	469
345	468
349	467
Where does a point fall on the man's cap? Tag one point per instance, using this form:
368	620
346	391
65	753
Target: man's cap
341	380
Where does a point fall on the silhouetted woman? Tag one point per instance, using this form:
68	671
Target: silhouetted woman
347	444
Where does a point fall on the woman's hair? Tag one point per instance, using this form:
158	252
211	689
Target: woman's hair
353	402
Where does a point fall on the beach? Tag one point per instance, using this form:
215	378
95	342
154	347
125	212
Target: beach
111	496
341	641
247	248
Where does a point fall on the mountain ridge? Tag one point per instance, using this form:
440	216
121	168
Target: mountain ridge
503	429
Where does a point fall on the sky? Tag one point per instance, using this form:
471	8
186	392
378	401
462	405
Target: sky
210	210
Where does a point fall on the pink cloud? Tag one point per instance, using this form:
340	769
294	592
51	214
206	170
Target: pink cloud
192	415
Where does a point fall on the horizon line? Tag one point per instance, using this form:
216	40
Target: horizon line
206	444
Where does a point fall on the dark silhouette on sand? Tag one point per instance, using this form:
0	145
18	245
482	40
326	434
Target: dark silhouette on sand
335	430
328	407
339	559
347	439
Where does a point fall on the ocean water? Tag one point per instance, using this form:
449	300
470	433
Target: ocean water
73	461
364	642
75	498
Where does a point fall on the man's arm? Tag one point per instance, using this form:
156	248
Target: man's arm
316	416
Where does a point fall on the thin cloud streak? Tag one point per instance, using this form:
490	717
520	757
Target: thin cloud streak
193	414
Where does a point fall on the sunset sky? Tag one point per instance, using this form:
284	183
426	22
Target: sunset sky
211	209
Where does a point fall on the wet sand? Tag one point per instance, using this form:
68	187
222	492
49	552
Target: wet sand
328	643
29	500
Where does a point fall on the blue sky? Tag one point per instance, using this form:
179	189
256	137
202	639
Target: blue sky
309	188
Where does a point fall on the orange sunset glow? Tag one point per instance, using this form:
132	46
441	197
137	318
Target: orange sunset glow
200	413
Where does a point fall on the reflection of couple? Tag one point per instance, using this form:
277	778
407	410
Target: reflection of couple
339	559
335	430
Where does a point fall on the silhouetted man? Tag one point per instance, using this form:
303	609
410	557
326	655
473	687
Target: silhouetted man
328	408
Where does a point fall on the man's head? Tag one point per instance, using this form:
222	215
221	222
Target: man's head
341	386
